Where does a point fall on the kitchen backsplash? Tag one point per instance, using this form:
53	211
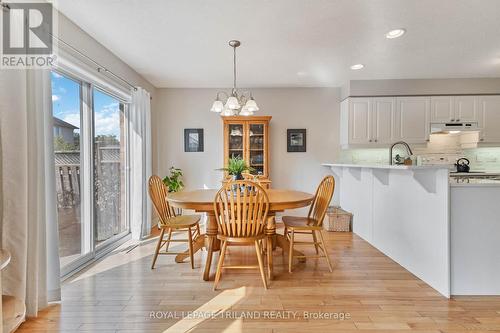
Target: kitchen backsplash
484	159
442	149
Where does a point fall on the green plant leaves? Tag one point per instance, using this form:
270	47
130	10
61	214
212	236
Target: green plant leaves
236	166
174	181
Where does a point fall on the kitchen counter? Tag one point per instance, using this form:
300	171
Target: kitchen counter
475	173
385	166
441	229
475	183
475	179
403	211
456	179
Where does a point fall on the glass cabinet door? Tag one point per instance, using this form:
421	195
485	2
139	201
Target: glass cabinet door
235	141
256	139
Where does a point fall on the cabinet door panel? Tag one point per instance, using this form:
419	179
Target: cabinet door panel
489	119
257	158
236	141
359	121
412	119
466	108
442	109
383	119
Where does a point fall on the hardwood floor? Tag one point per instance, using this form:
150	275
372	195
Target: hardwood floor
122	294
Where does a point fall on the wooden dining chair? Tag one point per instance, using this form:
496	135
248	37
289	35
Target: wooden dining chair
241	209
312	224
168	221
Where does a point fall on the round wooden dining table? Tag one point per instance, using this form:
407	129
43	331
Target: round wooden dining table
203	201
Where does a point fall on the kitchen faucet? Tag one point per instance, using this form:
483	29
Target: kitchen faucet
408	150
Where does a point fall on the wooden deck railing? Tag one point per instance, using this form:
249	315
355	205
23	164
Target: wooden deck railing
67	185
108	189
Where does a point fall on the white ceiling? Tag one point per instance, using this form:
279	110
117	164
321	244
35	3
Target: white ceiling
294	43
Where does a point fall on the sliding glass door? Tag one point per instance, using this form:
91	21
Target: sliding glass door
109	167
67	112
90	159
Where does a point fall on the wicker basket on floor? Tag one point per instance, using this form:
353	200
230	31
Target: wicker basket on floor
338	220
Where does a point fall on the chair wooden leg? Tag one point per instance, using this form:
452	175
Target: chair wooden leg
269	249
313	232
261	263
220	264
168	239
190	240
290	252
158	246
324	250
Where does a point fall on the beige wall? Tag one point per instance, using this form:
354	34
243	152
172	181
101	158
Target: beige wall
316	109
421	87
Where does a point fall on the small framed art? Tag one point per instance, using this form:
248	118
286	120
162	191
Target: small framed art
296	140
193	140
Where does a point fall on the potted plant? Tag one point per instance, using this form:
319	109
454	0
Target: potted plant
236	166
174	181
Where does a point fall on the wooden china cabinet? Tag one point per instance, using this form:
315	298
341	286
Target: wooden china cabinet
248	138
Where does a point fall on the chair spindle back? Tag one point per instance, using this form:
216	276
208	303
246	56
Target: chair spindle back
321	200
241	209
158	193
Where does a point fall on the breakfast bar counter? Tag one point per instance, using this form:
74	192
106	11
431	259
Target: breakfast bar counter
403	211
443	231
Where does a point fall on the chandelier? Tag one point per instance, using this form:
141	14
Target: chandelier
238	102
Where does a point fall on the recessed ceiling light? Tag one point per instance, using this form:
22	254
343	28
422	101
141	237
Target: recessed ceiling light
395	33
357	66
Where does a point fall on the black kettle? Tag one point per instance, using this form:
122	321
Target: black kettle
463	165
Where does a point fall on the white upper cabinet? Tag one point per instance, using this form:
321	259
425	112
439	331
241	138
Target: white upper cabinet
489	118
359	121
369	121
372	121
466	108
412	119
382	116
442	109
454	109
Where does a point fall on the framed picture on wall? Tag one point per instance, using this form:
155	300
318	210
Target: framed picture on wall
296	140
193	140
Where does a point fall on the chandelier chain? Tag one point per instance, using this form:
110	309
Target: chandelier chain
238	103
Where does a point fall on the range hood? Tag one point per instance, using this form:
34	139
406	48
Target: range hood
454	127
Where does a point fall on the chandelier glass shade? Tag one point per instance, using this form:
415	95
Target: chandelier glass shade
236	103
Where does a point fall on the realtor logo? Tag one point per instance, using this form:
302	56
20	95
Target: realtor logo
27	35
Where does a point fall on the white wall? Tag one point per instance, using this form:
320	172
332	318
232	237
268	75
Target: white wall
316	109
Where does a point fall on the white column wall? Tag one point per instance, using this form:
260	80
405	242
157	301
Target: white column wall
404	214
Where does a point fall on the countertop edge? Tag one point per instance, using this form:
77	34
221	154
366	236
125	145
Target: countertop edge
492	184
390	167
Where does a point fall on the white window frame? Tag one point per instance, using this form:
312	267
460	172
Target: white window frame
126	108
89	80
